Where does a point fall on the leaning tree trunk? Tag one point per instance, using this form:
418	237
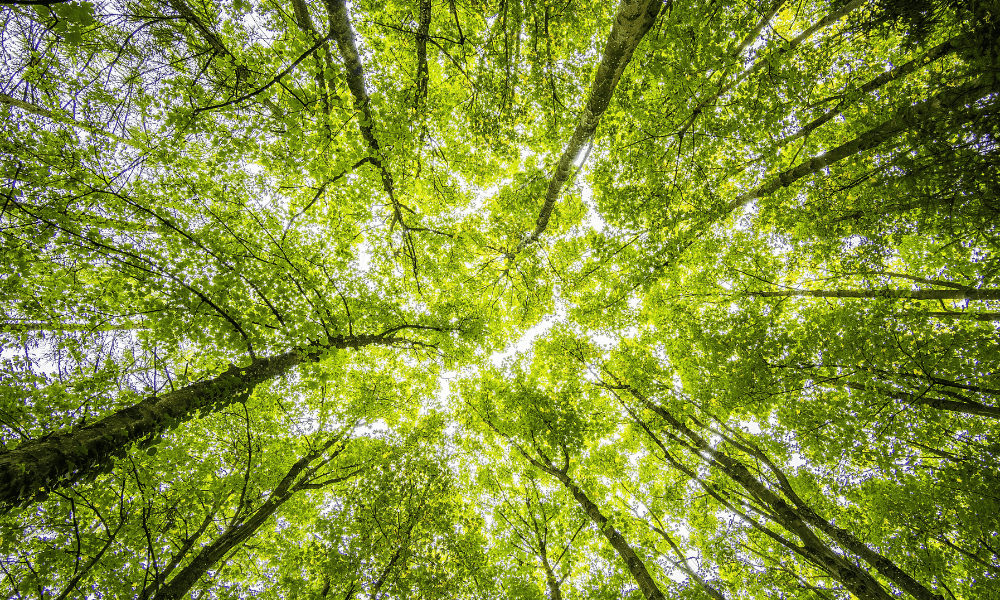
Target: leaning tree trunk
923	114
966	406
765	62
971	316
797	517
635	565
57	459
633	21
966	294
860	583
555	591
297	478
909	117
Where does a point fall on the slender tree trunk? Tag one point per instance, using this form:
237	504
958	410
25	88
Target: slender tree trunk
325	63
857	580
765	62
241	531
551	581
26	326
972	316
422	73
403	546
681	563
64	119
57	459
968	294
180	555
943	49
905	118
938	381
184	10
635	565
182	583
555	592
94	560
343	34
634	19
813	550
647	585
967	407
796	517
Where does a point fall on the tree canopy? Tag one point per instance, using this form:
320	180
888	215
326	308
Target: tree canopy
500	299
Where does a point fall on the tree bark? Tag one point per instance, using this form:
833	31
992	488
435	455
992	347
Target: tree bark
57	117
647	585
943	49
180	555
967	407
857	580
325	63
906	118
635	565
423	74
60	458
555	592
921	114
681	563
812	549
796	517
26	326
343	35
632	561
972	316
968	294
634	19
826	21
185	11
239	532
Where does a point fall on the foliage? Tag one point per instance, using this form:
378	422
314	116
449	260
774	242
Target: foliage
523	299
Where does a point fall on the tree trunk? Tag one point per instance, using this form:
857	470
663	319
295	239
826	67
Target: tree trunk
972	316
179	555
57	459
635	565
967	407
681	563
647	585
796	517
187	13
909	117
26	326
905	118
555	592
762	63
324	64
968	294
634	19
943	49
861	584
342	32
423	75
239	532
